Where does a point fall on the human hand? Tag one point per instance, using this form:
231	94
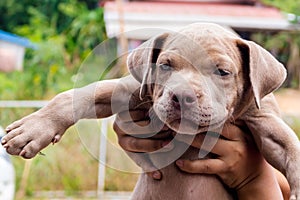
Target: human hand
239	164
137	135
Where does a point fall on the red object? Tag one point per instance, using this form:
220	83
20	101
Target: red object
192	8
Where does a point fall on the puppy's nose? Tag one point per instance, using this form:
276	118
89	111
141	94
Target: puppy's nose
185	98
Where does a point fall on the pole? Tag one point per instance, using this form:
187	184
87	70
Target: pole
102	157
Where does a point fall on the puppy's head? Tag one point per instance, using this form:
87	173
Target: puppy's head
203	75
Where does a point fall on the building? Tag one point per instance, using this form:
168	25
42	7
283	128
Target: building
244	16
12	51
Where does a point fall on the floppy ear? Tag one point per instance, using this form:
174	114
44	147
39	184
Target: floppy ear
265	72
142	60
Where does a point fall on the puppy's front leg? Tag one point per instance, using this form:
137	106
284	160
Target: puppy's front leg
28	136
280	147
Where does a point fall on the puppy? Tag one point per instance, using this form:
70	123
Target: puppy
198	79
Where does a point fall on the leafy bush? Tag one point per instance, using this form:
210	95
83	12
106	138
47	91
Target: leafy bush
285	44
65	32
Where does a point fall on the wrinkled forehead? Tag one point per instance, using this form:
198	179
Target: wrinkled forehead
196	46
207	29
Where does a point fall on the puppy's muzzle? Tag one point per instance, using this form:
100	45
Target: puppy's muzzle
184	100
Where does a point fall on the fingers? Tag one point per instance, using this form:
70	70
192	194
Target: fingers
207	143
133	116
133	144
233	139
205	166
233	132
138	126
135	123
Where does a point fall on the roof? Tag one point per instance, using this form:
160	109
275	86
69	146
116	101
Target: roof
175	15
12	38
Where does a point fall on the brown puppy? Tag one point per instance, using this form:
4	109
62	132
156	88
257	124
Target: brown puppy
210	76
198	79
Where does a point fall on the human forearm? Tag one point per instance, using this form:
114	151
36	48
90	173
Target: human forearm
263	186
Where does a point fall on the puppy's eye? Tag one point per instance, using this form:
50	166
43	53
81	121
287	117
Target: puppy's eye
165	67
222	72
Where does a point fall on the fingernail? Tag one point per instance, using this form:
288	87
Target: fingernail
156	175
5	146
179	163
3	141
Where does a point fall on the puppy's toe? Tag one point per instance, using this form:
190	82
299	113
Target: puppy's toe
27	155
30	150
14	125
19	141
12	149
12	134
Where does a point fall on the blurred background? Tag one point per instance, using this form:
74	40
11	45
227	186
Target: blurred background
46	47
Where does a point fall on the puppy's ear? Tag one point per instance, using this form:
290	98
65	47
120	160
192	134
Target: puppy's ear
266	74
142	60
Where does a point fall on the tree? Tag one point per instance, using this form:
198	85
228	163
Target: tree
65	31
286	44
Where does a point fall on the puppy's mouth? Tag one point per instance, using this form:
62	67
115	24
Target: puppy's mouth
188	127
189	122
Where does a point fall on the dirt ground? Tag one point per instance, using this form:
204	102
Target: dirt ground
289	101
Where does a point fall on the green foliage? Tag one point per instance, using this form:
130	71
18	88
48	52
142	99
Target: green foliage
285	44
294	123
65	32
289	6
16	13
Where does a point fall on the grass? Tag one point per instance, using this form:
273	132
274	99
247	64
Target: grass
72	164
294	123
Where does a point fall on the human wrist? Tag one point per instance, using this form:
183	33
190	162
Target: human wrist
261	186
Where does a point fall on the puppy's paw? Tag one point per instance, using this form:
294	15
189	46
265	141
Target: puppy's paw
28	136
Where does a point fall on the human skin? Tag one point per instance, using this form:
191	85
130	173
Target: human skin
239	164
